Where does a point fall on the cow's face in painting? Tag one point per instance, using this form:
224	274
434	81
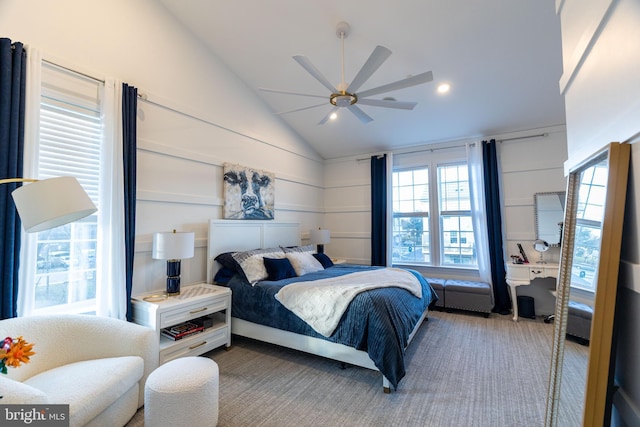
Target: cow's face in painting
251	201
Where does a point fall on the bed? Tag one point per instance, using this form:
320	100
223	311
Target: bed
374	331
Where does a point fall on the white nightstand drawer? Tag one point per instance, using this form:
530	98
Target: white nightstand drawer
536	272
195	345
191	311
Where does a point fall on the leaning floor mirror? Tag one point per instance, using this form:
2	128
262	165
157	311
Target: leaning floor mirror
589	261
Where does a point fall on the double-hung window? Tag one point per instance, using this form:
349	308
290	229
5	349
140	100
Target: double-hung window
70	136
456	229
588	232
432	222
411	239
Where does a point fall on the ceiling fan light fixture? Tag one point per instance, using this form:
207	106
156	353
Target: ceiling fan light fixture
343	99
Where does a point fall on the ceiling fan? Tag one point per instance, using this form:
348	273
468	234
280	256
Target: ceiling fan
346	95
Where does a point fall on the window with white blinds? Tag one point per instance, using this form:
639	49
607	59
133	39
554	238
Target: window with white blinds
69	144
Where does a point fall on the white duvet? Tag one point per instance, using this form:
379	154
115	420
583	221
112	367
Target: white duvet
321	303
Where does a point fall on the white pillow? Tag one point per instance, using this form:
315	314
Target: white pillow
252	263
304	262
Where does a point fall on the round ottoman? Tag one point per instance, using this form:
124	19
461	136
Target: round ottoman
182	392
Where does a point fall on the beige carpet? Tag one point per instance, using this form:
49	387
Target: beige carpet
462	370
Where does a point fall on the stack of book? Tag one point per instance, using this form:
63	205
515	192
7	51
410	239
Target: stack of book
182	330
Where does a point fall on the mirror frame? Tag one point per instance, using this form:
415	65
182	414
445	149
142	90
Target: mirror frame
599	379
536	213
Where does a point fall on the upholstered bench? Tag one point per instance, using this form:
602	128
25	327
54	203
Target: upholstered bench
469	296
438	286
579	321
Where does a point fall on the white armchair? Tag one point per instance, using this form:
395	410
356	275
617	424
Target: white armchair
97	365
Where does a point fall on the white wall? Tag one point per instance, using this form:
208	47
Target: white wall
179	155
529	166
601	84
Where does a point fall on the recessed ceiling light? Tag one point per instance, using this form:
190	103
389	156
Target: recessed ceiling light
333	116
444	88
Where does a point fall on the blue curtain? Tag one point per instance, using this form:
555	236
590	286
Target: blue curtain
129	111
494	227
13	59
379	210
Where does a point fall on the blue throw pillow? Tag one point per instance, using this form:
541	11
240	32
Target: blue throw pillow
223	276
226	260
279	268
324	260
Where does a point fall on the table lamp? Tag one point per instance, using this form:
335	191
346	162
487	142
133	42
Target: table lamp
50	203
173	247
320	237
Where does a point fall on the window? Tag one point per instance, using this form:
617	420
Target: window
69	144
432	224
455	215
589	217
411	216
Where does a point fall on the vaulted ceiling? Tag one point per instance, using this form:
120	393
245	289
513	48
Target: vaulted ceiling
502	59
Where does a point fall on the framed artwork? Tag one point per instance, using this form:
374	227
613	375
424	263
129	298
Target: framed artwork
248	193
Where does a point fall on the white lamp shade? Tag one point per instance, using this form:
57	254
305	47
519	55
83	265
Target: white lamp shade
320	237
51	203
172	245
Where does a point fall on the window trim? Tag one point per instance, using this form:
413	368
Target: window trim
62	91
432	162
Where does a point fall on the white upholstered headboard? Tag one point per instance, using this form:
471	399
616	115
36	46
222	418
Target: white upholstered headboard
227	235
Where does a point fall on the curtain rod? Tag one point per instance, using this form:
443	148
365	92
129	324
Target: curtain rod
524	137
48	61
461	145
423	150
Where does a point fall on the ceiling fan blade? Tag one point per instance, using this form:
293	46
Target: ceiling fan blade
364	117
325	118
302	109
388	103
284	92
400	84
377	58
311	69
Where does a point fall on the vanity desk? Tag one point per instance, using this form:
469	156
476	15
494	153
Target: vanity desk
523	274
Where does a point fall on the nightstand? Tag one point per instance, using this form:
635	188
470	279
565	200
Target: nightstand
194	301
338	261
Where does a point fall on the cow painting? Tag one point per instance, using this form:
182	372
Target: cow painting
249	193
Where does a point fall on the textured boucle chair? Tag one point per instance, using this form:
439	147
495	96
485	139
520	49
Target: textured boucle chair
182	392
96	365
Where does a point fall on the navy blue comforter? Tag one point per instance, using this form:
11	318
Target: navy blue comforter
378	321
